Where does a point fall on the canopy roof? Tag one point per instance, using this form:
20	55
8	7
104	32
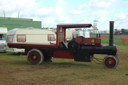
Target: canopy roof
74	25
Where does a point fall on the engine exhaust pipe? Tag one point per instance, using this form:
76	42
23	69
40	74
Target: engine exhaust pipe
111	33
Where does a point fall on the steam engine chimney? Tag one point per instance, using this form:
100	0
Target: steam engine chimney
111	33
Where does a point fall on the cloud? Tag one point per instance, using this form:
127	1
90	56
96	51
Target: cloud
96	4
123	16
45	11
60	12
100	15
13	5
93	4
100	12
26	8
77	11
122	20
34	9
60	6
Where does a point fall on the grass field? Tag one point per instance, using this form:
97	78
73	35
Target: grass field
14	70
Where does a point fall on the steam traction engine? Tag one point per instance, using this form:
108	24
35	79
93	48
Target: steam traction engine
79	48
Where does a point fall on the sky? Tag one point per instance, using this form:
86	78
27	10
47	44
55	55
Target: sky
53	12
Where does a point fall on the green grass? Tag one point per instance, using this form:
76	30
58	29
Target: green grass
15	70
116	38
116	42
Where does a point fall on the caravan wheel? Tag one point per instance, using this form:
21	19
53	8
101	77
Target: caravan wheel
35	57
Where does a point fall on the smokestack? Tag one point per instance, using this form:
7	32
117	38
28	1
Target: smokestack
111	33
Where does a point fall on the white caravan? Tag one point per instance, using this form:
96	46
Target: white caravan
30	36
3	44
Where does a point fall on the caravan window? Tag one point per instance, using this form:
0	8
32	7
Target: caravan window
21	38
1	36
10	38
51	37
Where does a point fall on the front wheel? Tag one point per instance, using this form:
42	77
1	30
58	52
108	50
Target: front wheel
110	61
35	57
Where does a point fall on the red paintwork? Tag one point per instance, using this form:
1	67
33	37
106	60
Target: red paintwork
62	54
74	25
57	33
36	55
30	45
88	41
110	62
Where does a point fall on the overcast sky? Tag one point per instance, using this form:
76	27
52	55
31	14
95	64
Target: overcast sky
53	12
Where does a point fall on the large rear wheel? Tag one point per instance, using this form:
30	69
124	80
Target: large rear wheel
73	44
35	57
